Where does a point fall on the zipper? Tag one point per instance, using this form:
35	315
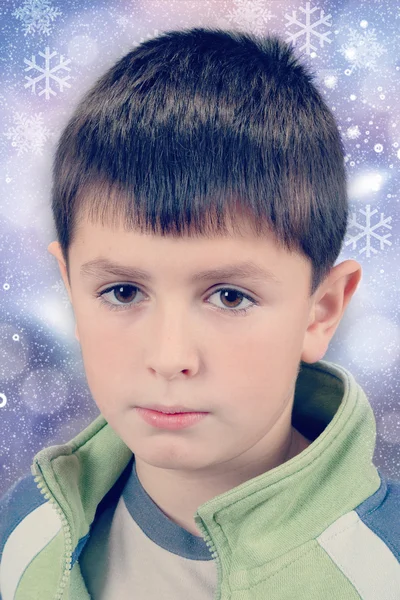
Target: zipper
214	553
38	478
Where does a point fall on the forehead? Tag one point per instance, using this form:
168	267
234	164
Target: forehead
121	251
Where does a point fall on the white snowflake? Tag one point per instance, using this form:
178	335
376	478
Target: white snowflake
308	29
37	15
330	81
250	14
353	132
3	400
29	133
368	231
362	50
47	73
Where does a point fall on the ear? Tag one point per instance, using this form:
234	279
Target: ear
55	249
328	306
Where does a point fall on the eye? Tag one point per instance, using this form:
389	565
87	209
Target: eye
124	293
230	296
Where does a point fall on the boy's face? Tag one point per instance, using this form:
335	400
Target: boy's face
172	345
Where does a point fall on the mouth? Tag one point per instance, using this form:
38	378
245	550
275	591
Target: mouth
170	421
171	410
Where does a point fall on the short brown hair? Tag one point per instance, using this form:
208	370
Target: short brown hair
193	121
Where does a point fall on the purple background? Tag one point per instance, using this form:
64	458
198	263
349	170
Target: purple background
354	49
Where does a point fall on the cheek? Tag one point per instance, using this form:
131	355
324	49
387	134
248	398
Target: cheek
106	360
273	339
267	356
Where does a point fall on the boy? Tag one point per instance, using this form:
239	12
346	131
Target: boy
205	166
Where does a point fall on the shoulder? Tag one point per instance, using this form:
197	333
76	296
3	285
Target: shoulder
18	502
381	513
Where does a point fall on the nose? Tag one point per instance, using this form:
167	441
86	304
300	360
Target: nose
172	347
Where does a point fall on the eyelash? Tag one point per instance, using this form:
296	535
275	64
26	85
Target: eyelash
235	311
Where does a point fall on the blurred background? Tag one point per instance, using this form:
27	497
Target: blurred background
51	52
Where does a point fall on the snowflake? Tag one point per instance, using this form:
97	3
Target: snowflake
369	232
47	74
353	132
362	50
3	400
37	14
309	29
29	133
251	14
331	81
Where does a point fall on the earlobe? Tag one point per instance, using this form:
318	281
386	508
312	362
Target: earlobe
313	356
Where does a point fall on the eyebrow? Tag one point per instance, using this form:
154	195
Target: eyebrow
98	267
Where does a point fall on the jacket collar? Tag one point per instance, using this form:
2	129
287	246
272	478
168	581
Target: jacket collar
268	515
